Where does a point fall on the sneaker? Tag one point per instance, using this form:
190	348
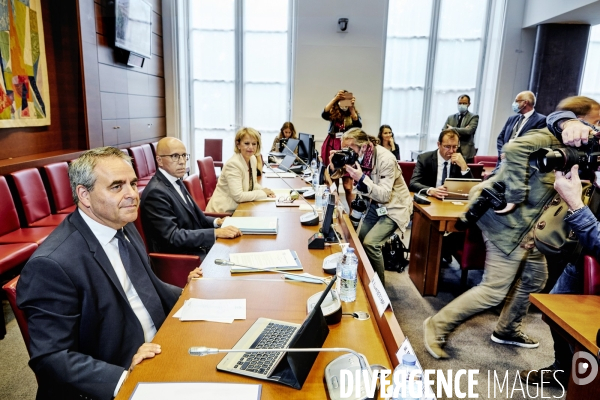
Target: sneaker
518	339
434	344
551	376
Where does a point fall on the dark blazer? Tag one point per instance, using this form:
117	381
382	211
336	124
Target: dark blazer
425	174
169	225
536	121
466	135
83	330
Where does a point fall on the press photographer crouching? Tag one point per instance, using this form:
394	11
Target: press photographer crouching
578	130
378	179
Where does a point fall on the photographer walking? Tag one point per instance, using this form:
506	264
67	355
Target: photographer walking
377	177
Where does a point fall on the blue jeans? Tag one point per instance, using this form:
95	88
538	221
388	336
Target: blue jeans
375	230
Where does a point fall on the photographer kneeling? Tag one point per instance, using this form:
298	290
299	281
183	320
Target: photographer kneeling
377	177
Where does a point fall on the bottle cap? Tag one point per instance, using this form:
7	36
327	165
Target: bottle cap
409	359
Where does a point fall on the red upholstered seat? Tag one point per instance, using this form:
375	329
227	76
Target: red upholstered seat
488	161
150	161
207	177
407	168
139	161
591	276
476	170
193	185
472	253
14	255
34	199
60	187
214	148
11	293
10	230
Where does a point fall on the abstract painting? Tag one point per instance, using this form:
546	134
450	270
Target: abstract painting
24	94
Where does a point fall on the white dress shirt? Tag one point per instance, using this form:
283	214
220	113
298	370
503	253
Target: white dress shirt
523	122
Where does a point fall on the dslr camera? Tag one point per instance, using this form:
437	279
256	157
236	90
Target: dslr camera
489	198
346	156
563	158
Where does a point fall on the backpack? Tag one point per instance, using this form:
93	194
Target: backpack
395	254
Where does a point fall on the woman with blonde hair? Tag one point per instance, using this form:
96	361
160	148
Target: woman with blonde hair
237	183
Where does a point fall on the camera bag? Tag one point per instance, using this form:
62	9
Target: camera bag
394	254
551	232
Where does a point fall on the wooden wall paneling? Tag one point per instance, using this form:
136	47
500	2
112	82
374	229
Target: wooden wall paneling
109	106
123	131
146	107
122	105
138	83
157	23
142	128
110	132
156	86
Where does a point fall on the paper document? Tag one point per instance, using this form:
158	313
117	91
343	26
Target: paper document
277	259
253	225
195	391
277	174
215	310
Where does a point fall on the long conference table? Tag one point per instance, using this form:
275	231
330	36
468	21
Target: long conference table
269	295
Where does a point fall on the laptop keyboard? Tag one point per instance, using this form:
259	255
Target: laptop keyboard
274	336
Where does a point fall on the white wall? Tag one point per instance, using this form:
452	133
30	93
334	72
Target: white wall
326	61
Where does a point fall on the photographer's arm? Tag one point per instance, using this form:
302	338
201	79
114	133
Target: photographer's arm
566	127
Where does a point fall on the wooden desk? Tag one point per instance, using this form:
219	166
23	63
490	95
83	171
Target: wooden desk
575	318
268	295
428	226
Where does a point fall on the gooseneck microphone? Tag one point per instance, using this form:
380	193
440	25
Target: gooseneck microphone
289	275
299	159
420	199
307	219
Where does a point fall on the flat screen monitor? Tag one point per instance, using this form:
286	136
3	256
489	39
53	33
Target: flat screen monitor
306	147
133	27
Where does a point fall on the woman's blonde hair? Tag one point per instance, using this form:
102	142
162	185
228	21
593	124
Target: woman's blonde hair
360	137
253	133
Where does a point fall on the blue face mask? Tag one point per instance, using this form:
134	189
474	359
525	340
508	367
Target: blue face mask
515	107
462	108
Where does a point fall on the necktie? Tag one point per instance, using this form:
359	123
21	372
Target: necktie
445	172
460	118
140	279
517	125
183	191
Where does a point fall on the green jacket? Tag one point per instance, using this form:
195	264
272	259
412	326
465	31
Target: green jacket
526	187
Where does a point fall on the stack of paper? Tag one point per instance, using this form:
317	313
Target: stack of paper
285	260
221	310
253	225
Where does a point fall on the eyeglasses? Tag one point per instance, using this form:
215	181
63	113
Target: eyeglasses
447	147
176	156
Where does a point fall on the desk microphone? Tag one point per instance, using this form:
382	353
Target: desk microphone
288	275
333	370
307	219
420	199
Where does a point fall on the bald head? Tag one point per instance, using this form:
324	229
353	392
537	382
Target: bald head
526	101
171	156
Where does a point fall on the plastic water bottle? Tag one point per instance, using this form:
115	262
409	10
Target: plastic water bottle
315	174
348	269
325	199
407	368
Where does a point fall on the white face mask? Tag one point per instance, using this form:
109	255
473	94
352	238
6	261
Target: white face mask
462	108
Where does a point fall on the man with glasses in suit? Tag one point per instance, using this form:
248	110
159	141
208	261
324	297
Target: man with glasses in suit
172	221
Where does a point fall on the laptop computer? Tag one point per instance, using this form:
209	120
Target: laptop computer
458	188
286	165
287	368
291	144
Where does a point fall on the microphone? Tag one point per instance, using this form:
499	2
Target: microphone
288	275
420	199
299	159
307	219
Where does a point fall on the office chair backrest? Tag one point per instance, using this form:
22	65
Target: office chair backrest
32	194
150	160
60	187
11	293
207	177
407	168
193	185
140	228
476	170
591	276
214	148
9	219
139	161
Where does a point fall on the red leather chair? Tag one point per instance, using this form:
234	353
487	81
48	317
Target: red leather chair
154	146
214	148
11	293
150	159
13	256
207	177
488	161
193	185
591	276
10	230
407	168
140	165
476	170
34	199
60	187
472	254
169	268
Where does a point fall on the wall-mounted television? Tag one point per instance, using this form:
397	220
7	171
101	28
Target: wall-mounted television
133	27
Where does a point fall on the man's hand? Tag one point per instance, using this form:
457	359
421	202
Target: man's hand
569	187
355	173
147	350
509	207
196	273
269	192
229	232
439	192
458	159
575	133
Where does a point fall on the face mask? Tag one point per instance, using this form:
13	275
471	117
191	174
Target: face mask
462	108
343	108
515	107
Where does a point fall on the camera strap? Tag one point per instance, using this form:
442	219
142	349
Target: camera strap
362	218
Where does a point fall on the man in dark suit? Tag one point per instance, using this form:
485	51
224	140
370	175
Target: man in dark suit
172	221
465	124
526	119
433	167
92	302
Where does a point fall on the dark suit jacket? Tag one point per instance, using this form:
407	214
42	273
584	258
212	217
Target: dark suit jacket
466	135
536	121
169	226
425	174
83	330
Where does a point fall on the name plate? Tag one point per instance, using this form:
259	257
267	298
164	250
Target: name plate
382	301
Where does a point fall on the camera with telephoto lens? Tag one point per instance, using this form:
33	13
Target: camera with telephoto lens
489	198
563	158
358	208
346	156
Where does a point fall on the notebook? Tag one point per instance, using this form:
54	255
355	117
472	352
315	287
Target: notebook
253	225
287	368
458	189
